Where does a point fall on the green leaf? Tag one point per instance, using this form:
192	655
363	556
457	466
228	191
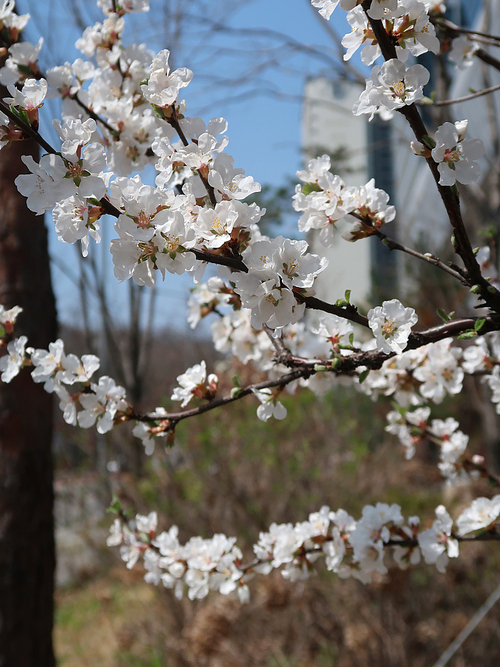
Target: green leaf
479	323
351	339
2	331
336	362
320	367
235	392
347	295
363	375
307	188
429	142
116	506
443	315
25	70
399	408
467	335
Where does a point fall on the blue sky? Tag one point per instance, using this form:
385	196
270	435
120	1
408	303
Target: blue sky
263	108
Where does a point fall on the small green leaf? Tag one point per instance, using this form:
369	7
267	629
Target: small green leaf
363	375
2	331
320	368
116	506
475	289
236	382
467	335
307	188
336	362
351	339
479	323
399	408
429	142
443	314
347	295
235	392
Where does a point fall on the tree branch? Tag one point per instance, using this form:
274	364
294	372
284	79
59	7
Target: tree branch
466	98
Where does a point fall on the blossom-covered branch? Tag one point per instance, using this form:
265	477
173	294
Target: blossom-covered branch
349	548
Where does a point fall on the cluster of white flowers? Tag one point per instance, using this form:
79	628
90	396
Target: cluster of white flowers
325	199
391	86
455	155
197	204
82	402
412	427
349	548
408	25
200	565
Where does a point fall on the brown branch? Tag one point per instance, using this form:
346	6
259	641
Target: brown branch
481	537
394	245
465	98
175	417
431	259
304	368
451	27
27	129
487	58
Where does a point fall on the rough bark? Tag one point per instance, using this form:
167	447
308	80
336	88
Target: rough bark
27	556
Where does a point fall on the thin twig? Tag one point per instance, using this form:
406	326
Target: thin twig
96	117
27	129
431	259
465	98
487	58
394	245
445	23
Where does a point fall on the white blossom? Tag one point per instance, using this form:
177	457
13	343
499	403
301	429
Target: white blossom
391	324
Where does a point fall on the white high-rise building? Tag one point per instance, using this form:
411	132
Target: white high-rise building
328	125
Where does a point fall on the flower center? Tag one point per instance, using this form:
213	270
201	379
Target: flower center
454	155
218	226
389	327
398	88
75	170
143	220
270	298
171	243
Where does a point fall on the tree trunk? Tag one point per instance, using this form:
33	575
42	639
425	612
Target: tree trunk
27	555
